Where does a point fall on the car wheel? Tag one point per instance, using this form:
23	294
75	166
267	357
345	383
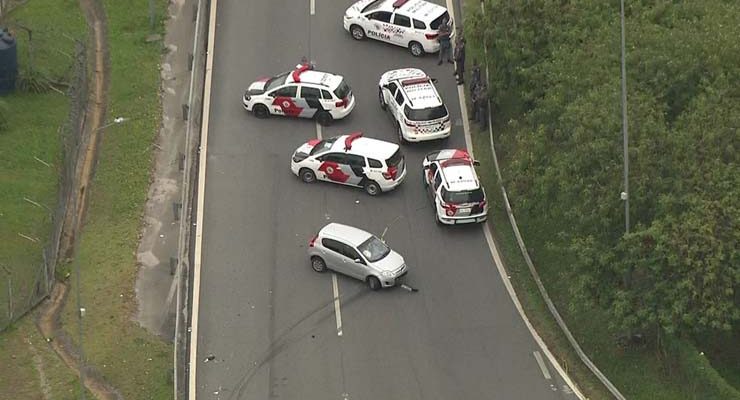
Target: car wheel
436	219
383	106
324	118
416	49
318	264
307	175
372	188
260	111
357	32
373	283
424	177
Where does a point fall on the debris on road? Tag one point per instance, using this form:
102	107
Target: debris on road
409	288
210	357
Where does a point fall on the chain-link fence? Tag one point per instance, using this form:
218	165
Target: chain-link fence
24	283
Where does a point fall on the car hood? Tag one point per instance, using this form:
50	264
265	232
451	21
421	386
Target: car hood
391	262
355	9
258	86
306	148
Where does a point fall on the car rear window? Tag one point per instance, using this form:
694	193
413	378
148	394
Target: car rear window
395	159
438	21
425	114
472	196
342	90
323	146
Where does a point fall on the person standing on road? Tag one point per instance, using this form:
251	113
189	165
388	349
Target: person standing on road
460	59
444	42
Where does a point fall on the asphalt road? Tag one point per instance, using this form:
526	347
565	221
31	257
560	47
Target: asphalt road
266	317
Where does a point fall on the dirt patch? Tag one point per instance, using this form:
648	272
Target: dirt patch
49	325
93	123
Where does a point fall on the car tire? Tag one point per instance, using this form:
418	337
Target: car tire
383	106
357	32
260	111
372	188
373	283
318	264
436	219
307	175
416	49
324	118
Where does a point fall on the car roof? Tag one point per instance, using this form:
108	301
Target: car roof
328	80
460	177
417	85
365	146
346	233
418	9
457	169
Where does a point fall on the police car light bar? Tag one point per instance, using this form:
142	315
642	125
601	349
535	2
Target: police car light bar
297	73
415	81
399	3
351	138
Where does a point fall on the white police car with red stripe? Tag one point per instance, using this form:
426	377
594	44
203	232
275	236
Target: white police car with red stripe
303	92
453	185
375	165
413	24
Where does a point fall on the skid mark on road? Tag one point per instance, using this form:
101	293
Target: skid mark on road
299	330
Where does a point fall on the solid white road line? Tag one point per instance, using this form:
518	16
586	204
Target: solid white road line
312	6
337	311
318	131
201	200
541	363
494	250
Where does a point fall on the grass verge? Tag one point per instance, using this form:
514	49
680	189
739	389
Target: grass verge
28	367
138	364
639	373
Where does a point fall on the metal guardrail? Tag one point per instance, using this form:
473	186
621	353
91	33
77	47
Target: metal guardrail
533	271
190	172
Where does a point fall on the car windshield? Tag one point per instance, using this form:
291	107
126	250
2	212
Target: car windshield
342	90
471	196
323	146
425	114
374	249
372	6
276	81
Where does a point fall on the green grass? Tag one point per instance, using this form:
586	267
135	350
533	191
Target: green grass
138	364
24	356
32	131
638	373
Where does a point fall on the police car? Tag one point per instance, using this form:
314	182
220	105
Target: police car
453	185
413	24
303	92
412	100
374	165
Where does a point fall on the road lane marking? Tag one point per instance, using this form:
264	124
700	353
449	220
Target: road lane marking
541	363
312	6
201	200
318	131
337	311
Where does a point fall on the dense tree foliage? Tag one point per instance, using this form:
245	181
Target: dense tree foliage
555	80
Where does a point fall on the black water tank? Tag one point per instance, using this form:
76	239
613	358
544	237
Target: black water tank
8	62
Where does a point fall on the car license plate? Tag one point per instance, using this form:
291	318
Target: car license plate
463	212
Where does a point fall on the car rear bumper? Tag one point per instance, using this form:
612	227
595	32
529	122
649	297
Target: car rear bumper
423	137
339	113
472	219
387	186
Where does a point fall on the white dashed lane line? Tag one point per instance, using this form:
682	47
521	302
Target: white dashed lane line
318	131
337	311
541	363
312	6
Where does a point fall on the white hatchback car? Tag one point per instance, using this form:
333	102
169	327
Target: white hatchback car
374	165
453	185
413	24
356	253
417	109
303	92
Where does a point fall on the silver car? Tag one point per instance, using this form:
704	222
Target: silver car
356	253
